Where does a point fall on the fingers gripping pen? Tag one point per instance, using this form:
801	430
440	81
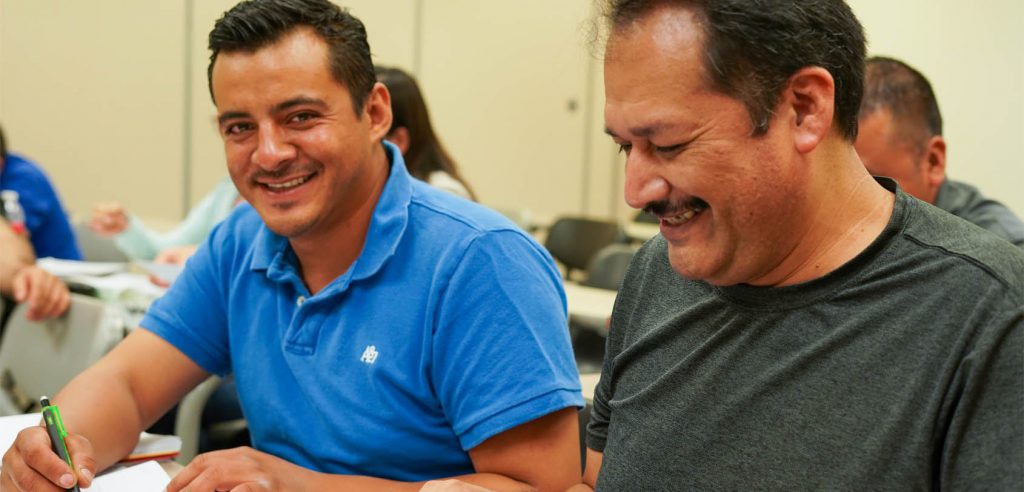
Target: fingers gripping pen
55	428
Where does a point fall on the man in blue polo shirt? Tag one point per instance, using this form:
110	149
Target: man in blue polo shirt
382	333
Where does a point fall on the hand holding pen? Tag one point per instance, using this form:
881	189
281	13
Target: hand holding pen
35	462
58	439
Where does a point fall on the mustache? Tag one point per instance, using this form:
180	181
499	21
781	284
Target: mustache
281	173
662	208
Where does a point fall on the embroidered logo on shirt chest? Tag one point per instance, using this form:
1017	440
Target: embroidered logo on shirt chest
369	355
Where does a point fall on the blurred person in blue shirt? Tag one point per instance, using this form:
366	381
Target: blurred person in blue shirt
20	279
48	228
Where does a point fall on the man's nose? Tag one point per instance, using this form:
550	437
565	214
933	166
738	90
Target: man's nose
643	184
273	149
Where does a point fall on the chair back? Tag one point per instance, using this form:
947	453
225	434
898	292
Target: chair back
96	247
37	358
608	267
574	241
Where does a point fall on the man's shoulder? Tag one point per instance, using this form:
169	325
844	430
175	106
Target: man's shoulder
967	202
431	207
965	244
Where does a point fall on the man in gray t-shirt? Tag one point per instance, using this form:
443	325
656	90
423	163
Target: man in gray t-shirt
798	324
900	136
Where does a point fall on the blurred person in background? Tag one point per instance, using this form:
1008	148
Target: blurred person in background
425	156
140	242
901	137
22	281
42	231
46	224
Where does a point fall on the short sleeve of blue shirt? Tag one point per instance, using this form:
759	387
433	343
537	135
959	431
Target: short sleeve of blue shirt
498	362
192	315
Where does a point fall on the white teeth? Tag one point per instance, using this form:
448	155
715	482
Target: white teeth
681	218
288	184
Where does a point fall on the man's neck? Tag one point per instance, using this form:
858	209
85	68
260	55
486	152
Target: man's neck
847	211
327	253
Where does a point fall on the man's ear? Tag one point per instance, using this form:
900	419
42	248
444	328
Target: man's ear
809	97
378	109
934	162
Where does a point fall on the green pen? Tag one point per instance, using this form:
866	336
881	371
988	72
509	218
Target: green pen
55	427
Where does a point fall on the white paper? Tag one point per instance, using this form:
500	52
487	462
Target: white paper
69	268
122	286
144	477
163	271
10	426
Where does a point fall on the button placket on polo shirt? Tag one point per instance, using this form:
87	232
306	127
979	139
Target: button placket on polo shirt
310	315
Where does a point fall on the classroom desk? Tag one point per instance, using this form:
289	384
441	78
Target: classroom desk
589	307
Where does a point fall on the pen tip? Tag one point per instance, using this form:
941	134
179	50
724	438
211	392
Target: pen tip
44	401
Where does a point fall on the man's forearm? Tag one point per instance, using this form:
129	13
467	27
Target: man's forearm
100	406
125	392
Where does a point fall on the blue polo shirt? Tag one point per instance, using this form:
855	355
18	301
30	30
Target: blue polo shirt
448	329
49	230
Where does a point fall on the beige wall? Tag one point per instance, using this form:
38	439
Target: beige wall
93	91
110	96
973	54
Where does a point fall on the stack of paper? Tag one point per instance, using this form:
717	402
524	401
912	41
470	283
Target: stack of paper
112	281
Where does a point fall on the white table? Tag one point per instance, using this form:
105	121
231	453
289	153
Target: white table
589	307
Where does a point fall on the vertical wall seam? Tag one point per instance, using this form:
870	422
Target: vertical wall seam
186	168
417	38
588	138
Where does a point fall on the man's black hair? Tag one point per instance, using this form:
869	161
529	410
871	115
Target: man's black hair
894	86
255	24
753	47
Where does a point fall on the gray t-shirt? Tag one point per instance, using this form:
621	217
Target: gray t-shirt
901	370
966	202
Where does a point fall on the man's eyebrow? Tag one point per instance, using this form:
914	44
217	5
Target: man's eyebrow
231	115
278	108
643	131
298	101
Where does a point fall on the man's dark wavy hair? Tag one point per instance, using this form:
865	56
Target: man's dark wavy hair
255	24
753	47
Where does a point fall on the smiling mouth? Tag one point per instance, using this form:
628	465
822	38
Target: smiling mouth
287	185
679	213
681	218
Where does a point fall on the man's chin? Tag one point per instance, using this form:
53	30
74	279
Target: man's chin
695	264
287	227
